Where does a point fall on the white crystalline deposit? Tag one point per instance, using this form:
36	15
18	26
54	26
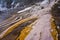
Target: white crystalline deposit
41	30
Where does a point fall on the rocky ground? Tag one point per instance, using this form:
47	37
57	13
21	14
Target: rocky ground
41	30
